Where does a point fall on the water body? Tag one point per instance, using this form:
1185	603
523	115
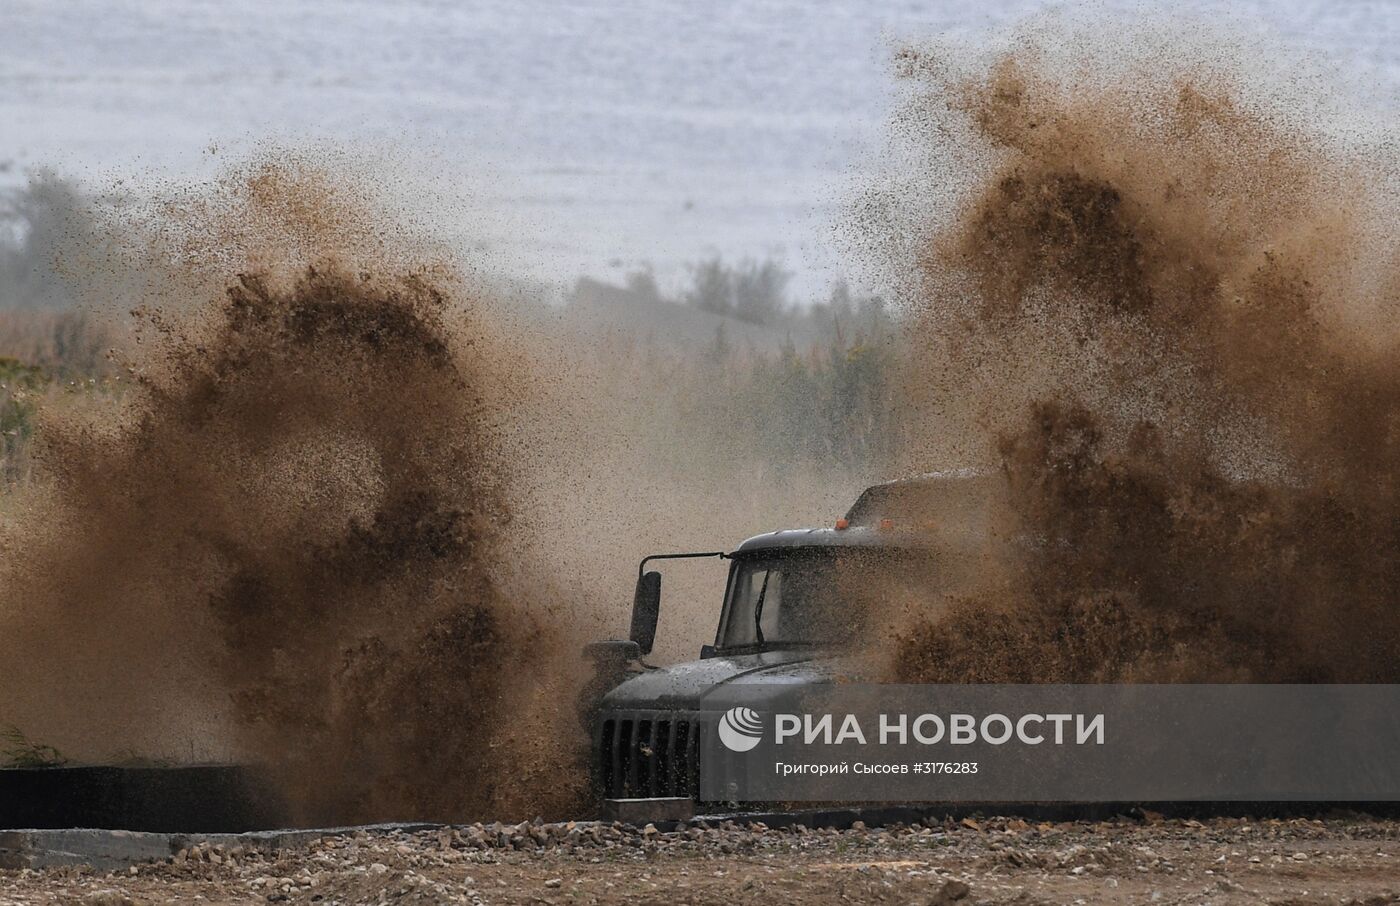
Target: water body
586	137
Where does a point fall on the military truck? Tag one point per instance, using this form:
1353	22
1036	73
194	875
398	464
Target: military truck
795	608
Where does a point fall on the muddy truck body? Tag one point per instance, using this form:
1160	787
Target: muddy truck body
789	615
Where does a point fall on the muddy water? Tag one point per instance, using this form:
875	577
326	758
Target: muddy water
286	545
353	517
1155	294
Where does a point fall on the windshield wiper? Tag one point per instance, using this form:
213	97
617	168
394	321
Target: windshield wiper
758	606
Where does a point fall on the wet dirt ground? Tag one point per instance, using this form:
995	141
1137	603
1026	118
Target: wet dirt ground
1342	860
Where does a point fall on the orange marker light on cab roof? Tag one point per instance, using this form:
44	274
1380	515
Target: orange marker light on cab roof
842	524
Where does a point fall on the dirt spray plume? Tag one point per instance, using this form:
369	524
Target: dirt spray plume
291	543
1154	292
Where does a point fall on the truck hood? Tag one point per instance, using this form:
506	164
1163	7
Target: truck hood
681	686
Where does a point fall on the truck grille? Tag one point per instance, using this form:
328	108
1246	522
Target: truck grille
643	754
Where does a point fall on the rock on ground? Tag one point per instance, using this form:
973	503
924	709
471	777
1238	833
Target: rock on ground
1352	860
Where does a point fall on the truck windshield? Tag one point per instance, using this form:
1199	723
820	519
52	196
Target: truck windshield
811	597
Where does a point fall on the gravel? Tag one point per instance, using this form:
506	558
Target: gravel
1342	860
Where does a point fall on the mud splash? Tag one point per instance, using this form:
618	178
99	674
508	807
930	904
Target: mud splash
1160	304
290	547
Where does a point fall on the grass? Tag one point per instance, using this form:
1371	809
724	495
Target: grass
18	751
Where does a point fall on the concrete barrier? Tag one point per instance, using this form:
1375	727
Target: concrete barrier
648	811
111	850
211	798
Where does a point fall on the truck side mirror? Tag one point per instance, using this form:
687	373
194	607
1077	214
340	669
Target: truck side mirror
646	606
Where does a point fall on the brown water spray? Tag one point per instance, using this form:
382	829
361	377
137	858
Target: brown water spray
291	545
1163	311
